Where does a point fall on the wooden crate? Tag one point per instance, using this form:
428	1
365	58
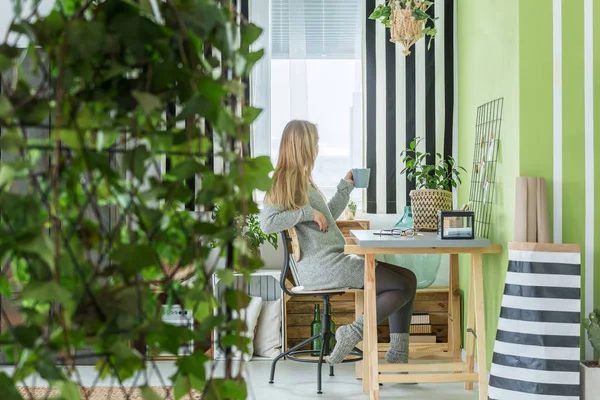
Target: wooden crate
299	313
347	225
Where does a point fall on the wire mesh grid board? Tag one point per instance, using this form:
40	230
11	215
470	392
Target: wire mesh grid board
485	160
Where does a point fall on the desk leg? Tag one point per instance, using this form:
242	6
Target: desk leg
365	348
476	267
454	309
359	305
469	338
370	328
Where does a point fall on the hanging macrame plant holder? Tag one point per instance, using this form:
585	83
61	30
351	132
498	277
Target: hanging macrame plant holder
404	28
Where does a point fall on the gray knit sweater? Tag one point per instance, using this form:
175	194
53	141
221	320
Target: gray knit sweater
323	264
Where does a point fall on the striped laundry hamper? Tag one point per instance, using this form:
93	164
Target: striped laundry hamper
536	353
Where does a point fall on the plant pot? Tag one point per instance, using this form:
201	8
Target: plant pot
405	28
589	377
348	214
425	205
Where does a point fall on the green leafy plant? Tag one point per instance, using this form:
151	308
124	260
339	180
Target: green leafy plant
443	175
255	236
592	326
352	206
249	230
104	94
418	9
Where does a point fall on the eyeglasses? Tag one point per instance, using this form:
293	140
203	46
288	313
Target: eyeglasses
397	232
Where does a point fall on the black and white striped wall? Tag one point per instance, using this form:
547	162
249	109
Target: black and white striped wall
406	97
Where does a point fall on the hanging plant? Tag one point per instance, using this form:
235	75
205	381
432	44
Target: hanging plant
406	20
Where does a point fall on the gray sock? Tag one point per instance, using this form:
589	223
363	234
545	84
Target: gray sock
347	337
398	352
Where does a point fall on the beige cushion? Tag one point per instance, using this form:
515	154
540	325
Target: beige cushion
250	314
267	340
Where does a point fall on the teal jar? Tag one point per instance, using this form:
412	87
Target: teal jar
424	266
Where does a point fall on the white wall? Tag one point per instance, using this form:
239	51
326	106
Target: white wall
7	14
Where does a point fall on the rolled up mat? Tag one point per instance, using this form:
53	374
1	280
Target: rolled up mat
543	221
521	210
531	211
532	191
536	353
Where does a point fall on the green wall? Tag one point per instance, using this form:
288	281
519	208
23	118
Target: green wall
536	125
505	49
535	92
488	68
597	151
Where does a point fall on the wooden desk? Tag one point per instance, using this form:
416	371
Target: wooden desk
456	370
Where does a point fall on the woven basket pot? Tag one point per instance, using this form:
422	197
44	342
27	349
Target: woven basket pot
425	205
404	28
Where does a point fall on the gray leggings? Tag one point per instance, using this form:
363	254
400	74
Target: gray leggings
396	289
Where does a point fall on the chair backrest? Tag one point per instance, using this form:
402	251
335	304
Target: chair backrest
289	264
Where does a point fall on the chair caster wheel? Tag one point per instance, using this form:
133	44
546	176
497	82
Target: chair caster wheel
319	392
331	375
381	384
271	382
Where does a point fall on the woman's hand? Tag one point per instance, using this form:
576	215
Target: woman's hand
320	219
349	177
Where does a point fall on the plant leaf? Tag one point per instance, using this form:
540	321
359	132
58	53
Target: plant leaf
48	369
42	246
149	394
69	390
193	365
8	389
5	106
250	33
186	384
49	292
134	258
7	174
147	101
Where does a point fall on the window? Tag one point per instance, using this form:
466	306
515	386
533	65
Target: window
314	71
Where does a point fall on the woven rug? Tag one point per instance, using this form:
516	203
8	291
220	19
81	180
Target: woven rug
101	393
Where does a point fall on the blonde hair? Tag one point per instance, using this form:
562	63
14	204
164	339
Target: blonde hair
293	172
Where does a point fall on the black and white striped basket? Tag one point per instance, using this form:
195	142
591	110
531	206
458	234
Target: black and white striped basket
536	353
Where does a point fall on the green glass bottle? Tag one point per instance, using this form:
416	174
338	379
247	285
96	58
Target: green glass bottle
332	328
315	327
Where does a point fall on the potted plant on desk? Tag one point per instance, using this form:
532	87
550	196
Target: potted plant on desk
433	185
590	370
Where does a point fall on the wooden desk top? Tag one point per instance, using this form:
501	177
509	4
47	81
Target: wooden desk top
427	242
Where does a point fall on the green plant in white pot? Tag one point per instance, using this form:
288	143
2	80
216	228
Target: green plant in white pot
590	370
434	184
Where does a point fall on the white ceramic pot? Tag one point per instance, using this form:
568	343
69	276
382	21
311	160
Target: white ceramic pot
590	381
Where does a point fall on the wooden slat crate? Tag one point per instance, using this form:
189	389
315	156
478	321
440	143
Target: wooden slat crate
299	314
346	225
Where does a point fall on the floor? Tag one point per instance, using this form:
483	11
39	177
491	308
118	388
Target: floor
297	381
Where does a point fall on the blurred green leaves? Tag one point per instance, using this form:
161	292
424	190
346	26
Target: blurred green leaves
99	221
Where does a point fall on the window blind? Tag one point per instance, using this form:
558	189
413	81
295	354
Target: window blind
315	29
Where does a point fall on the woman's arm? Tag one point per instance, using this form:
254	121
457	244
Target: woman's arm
340	199
273	220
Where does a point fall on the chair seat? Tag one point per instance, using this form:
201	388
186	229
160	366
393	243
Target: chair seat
327	291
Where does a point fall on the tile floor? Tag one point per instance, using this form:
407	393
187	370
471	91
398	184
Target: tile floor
297	381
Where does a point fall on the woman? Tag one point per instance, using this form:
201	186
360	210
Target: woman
295	201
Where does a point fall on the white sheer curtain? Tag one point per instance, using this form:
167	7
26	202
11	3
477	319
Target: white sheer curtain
312	70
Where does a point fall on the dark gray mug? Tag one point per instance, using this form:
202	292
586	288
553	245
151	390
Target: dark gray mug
361	177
